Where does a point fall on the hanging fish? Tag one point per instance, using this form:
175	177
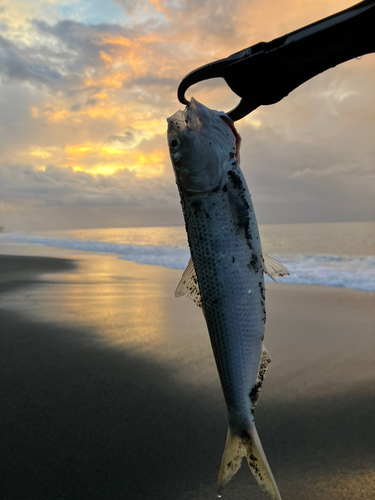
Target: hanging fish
225	273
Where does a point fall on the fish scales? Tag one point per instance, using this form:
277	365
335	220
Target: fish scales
226	269
231	283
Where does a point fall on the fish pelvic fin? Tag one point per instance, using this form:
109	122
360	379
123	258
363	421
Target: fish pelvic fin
247	444
188	285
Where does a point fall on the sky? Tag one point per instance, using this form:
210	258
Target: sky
86	87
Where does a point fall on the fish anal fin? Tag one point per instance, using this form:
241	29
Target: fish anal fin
188	285
273	268
264	362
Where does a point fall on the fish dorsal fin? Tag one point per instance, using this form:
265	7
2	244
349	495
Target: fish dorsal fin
273	268
188	285
264	362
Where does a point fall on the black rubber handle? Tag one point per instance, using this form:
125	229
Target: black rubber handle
268	71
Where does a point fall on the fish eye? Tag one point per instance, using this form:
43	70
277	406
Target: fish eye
174	144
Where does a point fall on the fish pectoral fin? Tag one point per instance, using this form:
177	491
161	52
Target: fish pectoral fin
188	285
273	268
247	444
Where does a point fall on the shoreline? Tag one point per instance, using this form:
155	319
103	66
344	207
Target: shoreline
67	254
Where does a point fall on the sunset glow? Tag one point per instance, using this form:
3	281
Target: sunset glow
87	89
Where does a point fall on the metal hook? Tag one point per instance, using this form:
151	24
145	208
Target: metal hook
213	70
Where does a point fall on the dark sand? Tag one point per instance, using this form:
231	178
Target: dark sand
109	390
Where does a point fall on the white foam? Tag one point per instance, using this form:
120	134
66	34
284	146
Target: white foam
348	271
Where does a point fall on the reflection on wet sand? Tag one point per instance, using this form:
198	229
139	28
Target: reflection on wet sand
123	307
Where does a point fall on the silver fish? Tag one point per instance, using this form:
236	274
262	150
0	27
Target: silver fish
225	273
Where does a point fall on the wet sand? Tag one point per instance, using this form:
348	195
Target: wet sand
109	389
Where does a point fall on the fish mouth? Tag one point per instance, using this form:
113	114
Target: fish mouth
190	118
178	123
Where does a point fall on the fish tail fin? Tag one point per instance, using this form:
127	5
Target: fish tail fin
247	444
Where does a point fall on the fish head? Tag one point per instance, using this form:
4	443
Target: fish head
201	143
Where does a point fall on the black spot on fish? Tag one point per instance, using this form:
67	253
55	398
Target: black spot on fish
254	263
225	189
255	392
196	203
240	214
236	179
252	459
254	466
245	438
213	191
262	291
240	210
240	206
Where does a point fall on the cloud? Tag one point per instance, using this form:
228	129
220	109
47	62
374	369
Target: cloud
83	98
150	79
332	171
128	138
55	186
27	64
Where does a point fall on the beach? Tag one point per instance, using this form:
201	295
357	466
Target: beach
109	389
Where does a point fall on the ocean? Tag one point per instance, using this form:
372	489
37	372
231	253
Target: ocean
329	254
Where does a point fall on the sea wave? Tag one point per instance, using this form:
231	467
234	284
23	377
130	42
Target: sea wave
347	271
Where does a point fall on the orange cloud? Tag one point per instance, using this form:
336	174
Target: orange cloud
145	164
80	150
105	57
101	95
39	153
112	82
59	112
159	5
134	52
136	42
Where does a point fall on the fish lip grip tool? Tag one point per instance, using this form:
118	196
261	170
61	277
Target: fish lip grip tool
267	72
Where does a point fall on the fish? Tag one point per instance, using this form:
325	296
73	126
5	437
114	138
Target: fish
225	274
